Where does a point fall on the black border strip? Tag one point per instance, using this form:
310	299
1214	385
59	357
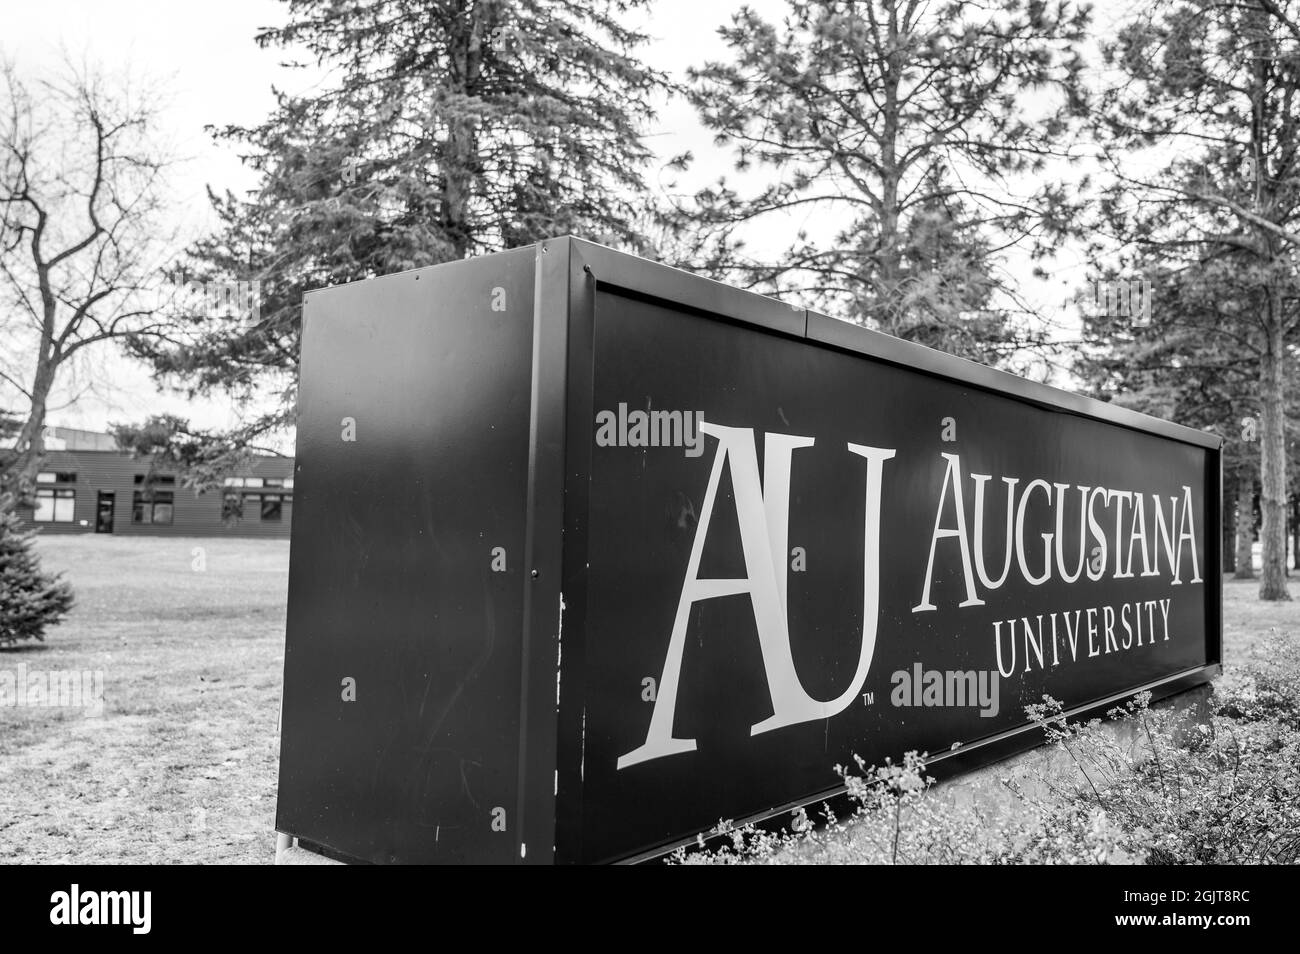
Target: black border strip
618	270
534	822
640	276
570	689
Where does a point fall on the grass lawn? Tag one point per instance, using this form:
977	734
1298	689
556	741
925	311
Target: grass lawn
1245	618
181	767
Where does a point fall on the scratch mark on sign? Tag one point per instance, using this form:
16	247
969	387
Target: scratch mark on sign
559	651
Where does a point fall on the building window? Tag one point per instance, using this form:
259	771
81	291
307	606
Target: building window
237	504
54	504
244	482
157	480
155	508
271	507
162	509
259	482
56	477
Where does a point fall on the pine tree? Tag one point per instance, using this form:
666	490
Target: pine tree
904	124
1184	359
1213	86
29	599
451	128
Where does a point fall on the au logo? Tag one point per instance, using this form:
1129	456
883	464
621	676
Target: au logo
763	512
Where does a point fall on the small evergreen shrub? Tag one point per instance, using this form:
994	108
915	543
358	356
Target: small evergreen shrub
29	599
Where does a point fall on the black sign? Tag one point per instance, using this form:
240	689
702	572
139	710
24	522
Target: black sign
630	552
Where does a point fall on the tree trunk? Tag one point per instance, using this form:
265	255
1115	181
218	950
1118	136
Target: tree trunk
1272	461
889	254
1245	529
1228	545
459	154
1295	531
19	479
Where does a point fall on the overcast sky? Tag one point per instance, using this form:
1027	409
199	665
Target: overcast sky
215	74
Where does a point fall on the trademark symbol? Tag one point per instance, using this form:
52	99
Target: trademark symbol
868	698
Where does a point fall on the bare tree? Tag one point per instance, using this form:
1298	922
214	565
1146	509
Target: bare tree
81	203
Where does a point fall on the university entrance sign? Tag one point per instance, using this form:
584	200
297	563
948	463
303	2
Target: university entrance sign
589	553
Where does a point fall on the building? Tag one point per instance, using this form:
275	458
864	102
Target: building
87	485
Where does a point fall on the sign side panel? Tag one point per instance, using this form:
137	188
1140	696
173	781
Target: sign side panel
400	723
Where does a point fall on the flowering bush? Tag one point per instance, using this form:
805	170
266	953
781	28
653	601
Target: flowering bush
1267	688
1222	791
1153	786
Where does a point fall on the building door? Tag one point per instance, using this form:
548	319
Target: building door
104	513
